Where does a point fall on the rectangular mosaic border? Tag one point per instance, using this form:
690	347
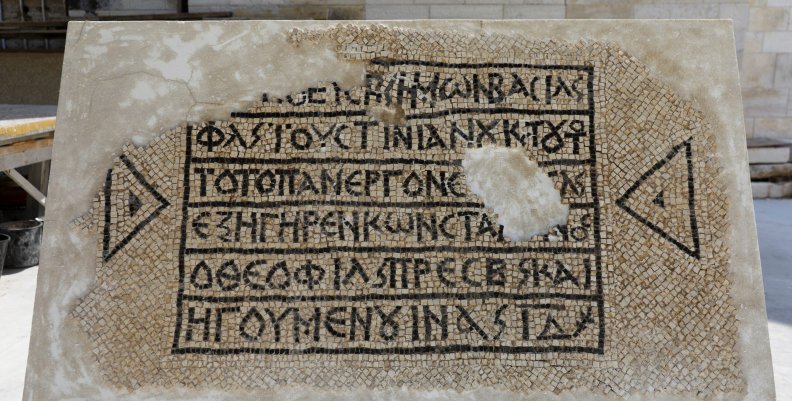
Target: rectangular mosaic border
596	298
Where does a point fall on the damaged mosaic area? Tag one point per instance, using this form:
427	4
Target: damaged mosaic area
329	238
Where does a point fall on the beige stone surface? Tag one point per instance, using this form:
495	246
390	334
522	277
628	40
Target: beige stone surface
753	42
765	101
758	70
620	10
533	12
766	86
772	127
769	19
768	155
131	82
771	171
762	190
783	71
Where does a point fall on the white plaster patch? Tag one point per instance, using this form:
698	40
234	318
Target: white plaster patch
139	140
176	65
144	91
393	114
517	190
96	51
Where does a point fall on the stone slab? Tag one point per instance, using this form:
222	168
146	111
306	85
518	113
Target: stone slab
762	190
768	155
760	142
157	283
771	171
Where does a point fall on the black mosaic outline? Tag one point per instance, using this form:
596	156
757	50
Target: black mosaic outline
440	64
583	294
597	251
343	160
106	252
321	202
183	237
417	116
106	232
622	201
496	110
388	249
438	349
431	349
394	297
597	218
564	248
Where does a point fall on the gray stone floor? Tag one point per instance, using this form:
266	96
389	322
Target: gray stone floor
774	223
774	219
17	291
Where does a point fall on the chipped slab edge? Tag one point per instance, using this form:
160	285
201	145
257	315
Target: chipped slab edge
56	371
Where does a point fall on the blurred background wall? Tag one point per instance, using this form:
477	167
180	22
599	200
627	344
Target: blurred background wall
30	61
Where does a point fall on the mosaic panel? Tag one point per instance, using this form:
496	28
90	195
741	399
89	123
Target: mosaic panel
328	238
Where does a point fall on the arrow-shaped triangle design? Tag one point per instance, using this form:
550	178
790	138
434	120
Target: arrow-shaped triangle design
647	199
659	200
134	203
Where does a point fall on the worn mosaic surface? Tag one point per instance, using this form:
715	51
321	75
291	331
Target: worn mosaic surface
329	239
